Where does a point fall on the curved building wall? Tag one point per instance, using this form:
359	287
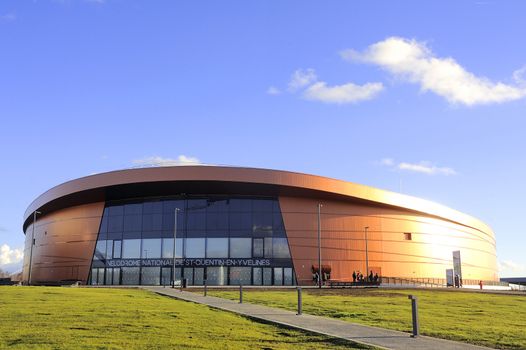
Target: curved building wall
63	244
427	254
406	237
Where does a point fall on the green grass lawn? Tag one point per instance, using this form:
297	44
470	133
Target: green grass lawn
478	318
89	318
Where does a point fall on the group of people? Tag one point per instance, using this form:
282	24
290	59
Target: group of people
357	276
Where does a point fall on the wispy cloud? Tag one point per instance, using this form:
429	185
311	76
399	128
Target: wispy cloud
423	167
508	266
301	78
306	81
3	229
160	161
9	256
414	62
8	17
340	94
272	90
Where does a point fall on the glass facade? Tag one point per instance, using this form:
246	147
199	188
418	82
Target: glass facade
223	240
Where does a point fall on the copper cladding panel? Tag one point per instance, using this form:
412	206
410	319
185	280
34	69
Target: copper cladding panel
231	179
427	255
64	244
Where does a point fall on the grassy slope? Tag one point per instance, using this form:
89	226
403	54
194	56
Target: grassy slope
485	319
83	318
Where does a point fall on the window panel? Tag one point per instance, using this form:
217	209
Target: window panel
240	247
216	276
196	221
116	210
262	222
240	275
257	276
267	276
117	249
257	248
287	276
278	276
217	221
130	275
152	222
115	223
268	247
241	221
217	248
262	205
195	248
133	209
199	274
152	207
150	276
131	248
168	248
109	249
240	205
280	248
151	248
188	273
132	223
100	250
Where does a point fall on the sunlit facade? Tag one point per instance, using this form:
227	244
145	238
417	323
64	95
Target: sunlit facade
242	226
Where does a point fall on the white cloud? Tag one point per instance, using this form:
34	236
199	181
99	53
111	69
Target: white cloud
301	78
423	167
272	90
8	17
346	93
415	62
10	256
508	266
520	76
160	161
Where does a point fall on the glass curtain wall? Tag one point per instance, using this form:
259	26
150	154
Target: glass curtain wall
223	240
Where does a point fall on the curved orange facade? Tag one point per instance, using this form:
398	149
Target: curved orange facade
406	236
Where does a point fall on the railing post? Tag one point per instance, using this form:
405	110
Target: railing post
414	312
300	302
204	281
241	294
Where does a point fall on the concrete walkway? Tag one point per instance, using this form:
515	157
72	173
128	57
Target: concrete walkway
374	336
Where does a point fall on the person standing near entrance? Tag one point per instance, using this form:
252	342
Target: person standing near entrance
354	276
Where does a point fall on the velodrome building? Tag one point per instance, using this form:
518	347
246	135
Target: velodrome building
232	225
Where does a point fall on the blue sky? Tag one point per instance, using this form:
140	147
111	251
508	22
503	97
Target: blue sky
429	99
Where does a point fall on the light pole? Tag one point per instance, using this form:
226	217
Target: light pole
366	253
175	237
320	276
32	243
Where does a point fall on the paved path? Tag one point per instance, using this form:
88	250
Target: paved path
374	336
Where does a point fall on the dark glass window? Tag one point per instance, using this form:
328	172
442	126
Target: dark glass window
262	205
287	276
240	205
262	222
219	205
196	221
189	275
152	222
199	274
241	221
217	221
154	207
133	209
267	276
132	223
116	210
115	223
